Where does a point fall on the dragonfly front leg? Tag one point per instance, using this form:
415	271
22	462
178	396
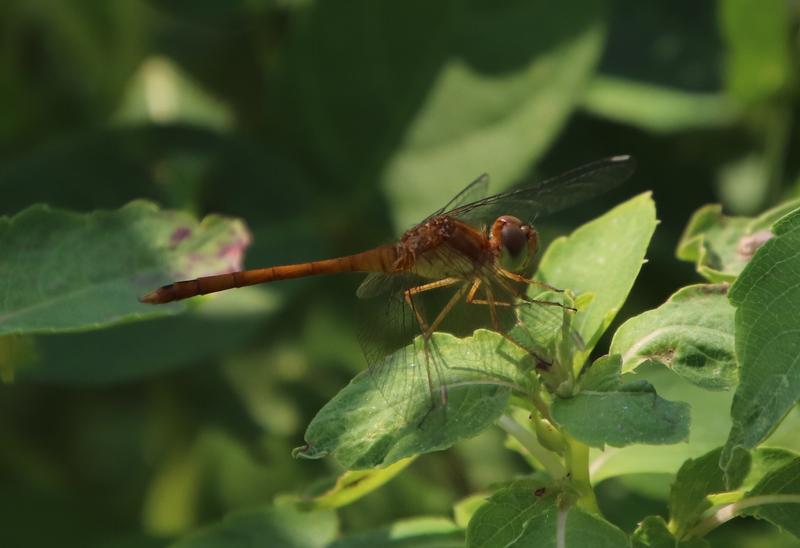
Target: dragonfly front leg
529	281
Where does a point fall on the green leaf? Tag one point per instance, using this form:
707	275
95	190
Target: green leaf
422	532
767	297
655	108
692	334
278	526
757	33
784	510
352	485
602	257
621	414
721	246
652	532
526	514
495	109
474	90
65	271
709	427
388	412
697	479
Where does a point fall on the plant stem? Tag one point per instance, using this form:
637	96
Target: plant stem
578	466
528	440
730	511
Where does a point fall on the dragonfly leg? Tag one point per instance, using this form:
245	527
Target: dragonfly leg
523	297
408	295
541	362
529	281
474	290
426	331
447	308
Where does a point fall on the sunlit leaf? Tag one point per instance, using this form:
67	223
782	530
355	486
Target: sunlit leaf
721	246
352	485
475	91
66	271
657	109
602	257
692	334
388	413
767	297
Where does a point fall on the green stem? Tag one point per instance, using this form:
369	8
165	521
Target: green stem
528	440
730	511
578	467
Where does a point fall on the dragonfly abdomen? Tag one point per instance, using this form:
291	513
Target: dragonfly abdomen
379	259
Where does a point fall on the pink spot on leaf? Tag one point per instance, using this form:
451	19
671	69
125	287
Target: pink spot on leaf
179	235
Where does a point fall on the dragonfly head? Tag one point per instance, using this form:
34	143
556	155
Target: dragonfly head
516	241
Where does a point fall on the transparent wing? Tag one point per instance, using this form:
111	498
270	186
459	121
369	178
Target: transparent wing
416	379
473	192
550	195
376	284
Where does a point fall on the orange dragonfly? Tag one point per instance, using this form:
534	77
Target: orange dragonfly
483	246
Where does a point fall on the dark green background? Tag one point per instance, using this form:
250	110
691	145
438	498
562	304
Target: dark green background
327	126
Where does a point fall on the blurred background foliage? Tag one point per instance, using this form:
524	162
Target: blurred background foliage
329	127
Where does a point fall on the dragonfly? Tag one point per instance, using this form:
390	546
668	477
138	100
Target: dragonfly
481	247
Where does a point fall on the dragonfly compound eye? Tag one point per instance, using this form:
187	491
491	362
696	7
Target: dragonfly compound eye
513	238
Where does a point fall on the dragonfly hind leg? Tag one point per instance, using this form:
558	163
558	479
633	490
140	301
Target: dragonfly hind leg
427	330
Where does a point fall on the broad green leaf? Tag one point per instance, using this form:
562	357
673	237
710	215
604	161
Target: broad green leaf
721	246
388	412
224	323
692	334
602	257
708	430
655	108
474	90
767	297
757	33
352	485
526	514
613	413
695	481
278	526
422	532
495	109
782	510
652	532
64	271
